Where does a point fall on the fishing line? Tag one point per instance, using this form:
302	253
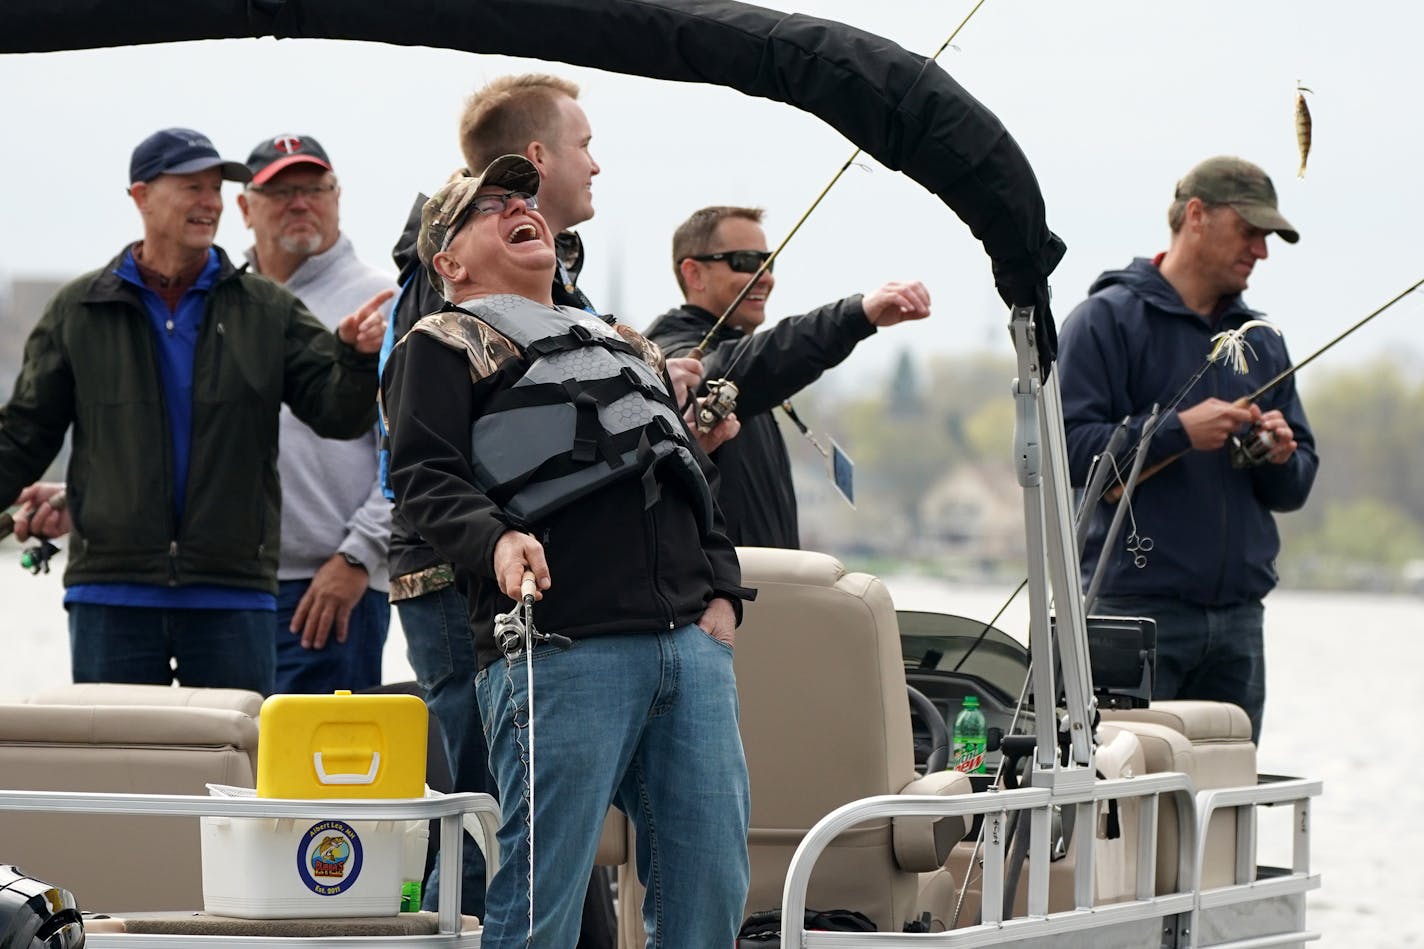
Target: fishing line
766	265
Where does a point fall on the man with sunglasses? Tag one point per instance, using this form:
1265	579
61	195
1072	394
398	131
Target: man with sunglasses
715	252
638	586
333	614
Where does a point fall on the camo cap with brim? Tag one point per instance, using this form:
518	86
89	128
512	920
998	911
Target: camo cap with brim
1241	186
448	209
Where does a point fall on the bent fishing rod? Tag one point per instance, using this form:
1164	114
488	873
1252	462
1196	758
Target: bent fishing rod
721	400
1115	492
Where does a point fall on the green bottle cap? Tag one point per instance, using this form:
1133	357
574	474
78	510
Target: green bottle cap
971	701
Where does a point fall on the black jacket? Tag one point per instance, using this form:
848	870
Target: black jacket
408	552
757	495
616	566
90	363
1133	343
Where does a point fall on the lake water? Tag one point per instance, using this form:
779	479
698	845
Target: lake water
1344	704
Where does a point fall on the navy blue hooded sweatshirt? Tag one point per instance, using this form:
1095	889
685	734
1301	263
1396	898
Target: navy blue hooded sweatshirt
1133	343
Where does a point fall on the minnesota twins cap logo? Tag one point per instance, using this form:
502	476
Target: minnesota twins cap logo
282	151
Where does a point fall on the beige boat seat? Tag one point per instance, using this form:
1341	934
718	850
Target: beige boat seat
121	738
825	720
1210	742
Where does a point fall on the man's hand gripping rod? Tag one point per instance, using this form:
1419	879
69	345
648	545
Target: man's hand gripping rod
1254	453
35	558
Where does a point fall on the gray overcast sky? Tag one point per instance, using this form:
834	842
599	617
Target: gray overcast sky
1112	100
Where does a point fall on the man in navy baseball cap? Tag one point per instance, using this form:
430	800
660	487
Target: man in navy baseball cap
179	151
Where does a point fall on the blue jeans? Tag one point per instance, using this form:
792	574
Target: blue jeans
647	721
1216	653
441	650
354	664
228	649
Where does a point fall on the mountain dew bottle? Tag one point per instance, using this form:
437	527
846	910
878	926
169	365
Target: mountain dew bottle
970	736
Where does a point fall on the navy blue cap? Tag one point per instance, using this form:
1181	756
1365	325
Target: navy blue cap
180	152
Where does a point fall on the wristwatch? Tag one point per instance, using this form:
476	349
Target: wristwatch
352	561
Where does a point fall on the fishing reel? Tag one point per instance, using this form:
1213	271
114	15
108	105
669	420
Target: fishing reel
36	558
514	629
509	632
1252	449
720	402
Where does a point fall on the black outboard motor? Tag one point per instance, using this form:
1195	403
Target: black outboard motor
36	915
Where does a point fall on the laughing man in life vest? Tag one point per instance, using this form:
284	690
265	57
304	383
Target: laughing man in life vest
530	437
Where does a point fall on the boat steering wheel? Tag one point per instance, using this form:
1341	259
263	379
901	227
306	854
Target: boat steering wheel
921	706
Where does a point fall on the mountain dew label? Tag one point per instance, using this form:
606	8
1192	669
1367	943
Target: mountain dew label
969	755
969	738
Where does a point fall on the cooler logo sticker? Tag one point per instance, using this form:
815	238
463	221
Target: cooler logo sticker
329	857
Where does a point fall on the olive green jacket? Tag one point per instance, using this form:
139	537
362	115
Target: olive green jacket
91	364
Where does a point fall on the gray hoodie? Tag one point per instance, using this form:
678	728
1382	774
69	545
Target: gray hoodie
331	500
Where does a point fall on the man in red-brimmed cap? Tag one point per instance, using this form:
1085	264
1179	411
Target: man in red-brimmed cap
333	614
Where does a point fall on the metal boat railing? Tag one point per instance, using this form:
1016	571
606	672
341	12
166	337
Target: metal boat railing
1148	921
449	809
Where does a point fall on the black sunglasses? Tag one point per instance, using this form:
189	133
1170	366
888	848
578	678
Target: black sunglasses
741	261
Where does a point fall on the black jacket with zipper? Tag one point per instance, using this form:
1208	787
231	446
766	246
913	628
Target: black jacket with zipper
768	367
91	363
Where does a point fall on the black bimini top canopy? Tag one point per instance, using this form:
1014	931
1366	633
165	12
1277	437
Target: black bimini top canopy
900	108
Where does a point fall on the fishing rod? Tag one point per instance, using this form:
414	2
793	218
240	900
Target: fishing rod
515	635
1115	492
721	400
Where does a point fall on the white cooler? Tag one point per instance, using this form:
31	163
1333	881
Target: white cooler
279	868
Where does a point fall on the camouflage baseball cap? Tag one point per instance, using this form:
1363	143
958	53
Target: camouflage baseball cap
449	208
1243	187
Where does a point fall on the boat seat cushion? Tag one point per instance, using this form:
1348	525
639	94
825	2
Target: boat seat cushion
122	694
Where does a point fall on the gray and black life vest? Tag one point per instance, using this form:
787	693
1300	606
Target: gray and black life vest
587	412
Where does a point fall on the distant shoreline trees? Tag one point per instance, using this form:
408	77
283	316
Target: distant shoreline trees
935	485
